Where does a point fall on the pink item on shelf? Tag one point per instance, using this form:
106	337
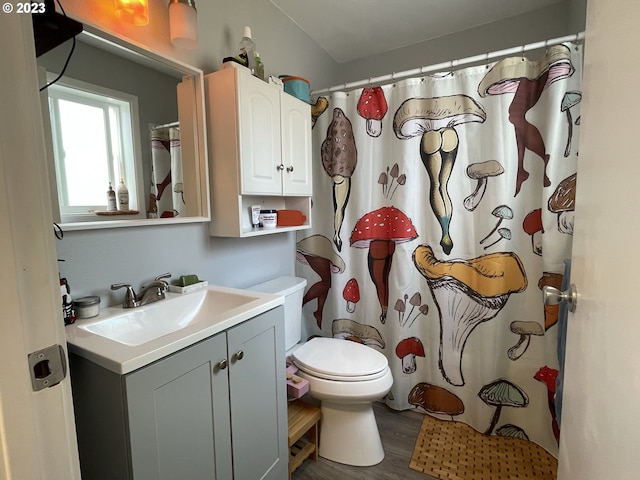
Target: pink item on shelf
296	386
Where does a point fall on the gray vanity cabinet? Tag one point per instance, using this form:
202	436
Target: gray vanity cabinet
178	414
215	410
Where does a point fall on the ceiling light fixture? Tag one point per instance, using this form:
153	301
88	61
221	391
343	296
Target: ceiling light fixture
183	23
135	12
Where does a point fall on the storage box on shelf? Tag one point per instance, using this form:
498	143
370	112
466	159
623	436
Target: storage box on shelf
259	152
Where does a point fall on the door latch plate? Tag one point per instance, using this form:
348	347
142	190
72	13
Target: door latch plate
48	367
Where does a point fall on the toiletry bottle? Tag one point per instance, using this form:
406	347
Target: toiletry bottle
123	196
259	67
248	50
111	199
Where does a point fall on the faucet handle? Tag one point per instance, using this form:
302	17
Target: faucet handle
159	278
130	300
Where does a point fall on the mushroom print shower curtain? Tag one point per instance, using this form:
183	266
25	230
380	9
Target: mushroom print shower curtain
442	206
166	197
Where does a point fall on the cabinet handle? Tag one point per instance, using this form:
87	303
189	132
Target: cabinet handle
280	167
222	364
240	355
290	169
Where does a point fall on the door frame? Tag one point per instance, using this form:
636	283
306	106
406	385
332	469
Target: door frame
37	429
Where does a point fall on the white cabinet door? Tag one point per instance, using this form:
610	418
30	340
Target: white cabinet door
296	146
260	149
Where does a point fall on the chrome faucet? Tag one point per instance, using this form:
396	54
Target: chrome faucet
151	293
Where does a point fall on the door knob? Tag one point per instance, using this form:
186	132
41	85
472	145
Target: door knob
553	296
240	355
289	169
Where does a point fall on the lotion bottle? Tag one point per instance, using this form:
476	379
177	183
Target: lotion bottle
123	196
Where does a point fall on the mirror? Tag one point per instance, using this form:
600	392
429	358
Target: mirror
166	92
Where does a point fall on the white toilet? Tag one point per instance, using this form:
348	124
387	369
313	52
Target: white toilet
346	377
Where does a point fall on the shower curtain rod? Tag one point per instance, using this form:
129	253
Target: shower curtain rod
166	125
452	64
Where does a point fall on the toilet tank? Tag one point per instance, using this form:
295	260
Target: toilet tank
292	289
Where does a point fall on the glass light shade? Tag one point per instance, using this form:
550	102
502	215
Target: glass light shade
134	12
183	24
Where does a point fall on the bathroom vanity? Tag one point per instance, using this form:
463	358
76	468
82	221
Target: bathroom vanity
214	409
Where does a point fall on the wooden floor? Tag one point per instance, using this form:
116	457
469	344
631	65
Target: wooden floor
398	431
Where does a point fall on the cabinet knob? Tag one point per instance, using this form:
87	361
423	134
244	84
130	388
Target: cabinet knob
240	355
222	364
290	169
280	167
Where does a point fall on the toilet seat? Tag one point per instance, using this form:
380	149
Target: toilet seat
340	360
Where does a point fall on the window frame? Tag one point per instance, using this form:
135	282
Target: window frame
86	93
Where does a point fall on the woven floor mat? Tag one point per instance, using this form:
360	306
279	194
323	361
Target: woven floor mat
451	450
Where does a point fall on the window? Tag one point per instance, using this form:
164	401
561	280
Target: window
94	143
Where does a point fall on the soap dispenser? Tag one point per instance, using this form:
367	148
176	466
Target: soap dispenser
111	199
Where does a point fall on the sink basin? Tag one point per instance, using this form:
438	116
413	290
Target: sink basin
123	339
135	326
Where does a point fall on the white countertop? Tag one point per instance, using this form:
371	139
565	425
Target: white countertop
122	358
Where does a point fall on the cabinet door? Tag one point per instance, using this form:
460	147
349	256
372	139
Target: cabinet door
260	149
179	416
296	146
258	397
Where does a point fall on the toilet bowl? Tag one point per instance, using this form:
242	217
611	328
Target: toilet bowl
344	376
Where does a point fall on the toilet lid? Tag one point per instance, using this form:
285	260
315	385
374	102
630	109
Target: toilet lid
339	359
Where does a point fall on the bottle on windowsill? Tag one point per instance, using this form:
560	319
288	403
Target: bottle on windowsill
123	196
111	199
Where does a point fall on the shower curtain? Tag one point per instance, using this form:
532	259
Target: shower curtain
442	205
166	197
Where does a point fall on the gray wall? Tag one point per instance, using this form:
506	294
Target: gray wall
98	258
558	20
95	259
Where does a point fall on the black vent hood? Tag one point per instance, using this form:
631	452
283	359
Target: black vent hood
51	28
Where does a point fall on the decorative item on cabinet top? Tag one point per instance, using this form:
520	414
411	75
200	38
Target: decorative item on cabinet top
259	152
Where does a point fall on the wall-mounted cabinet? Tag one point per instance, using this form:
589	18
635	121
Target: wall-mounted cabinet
259	152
